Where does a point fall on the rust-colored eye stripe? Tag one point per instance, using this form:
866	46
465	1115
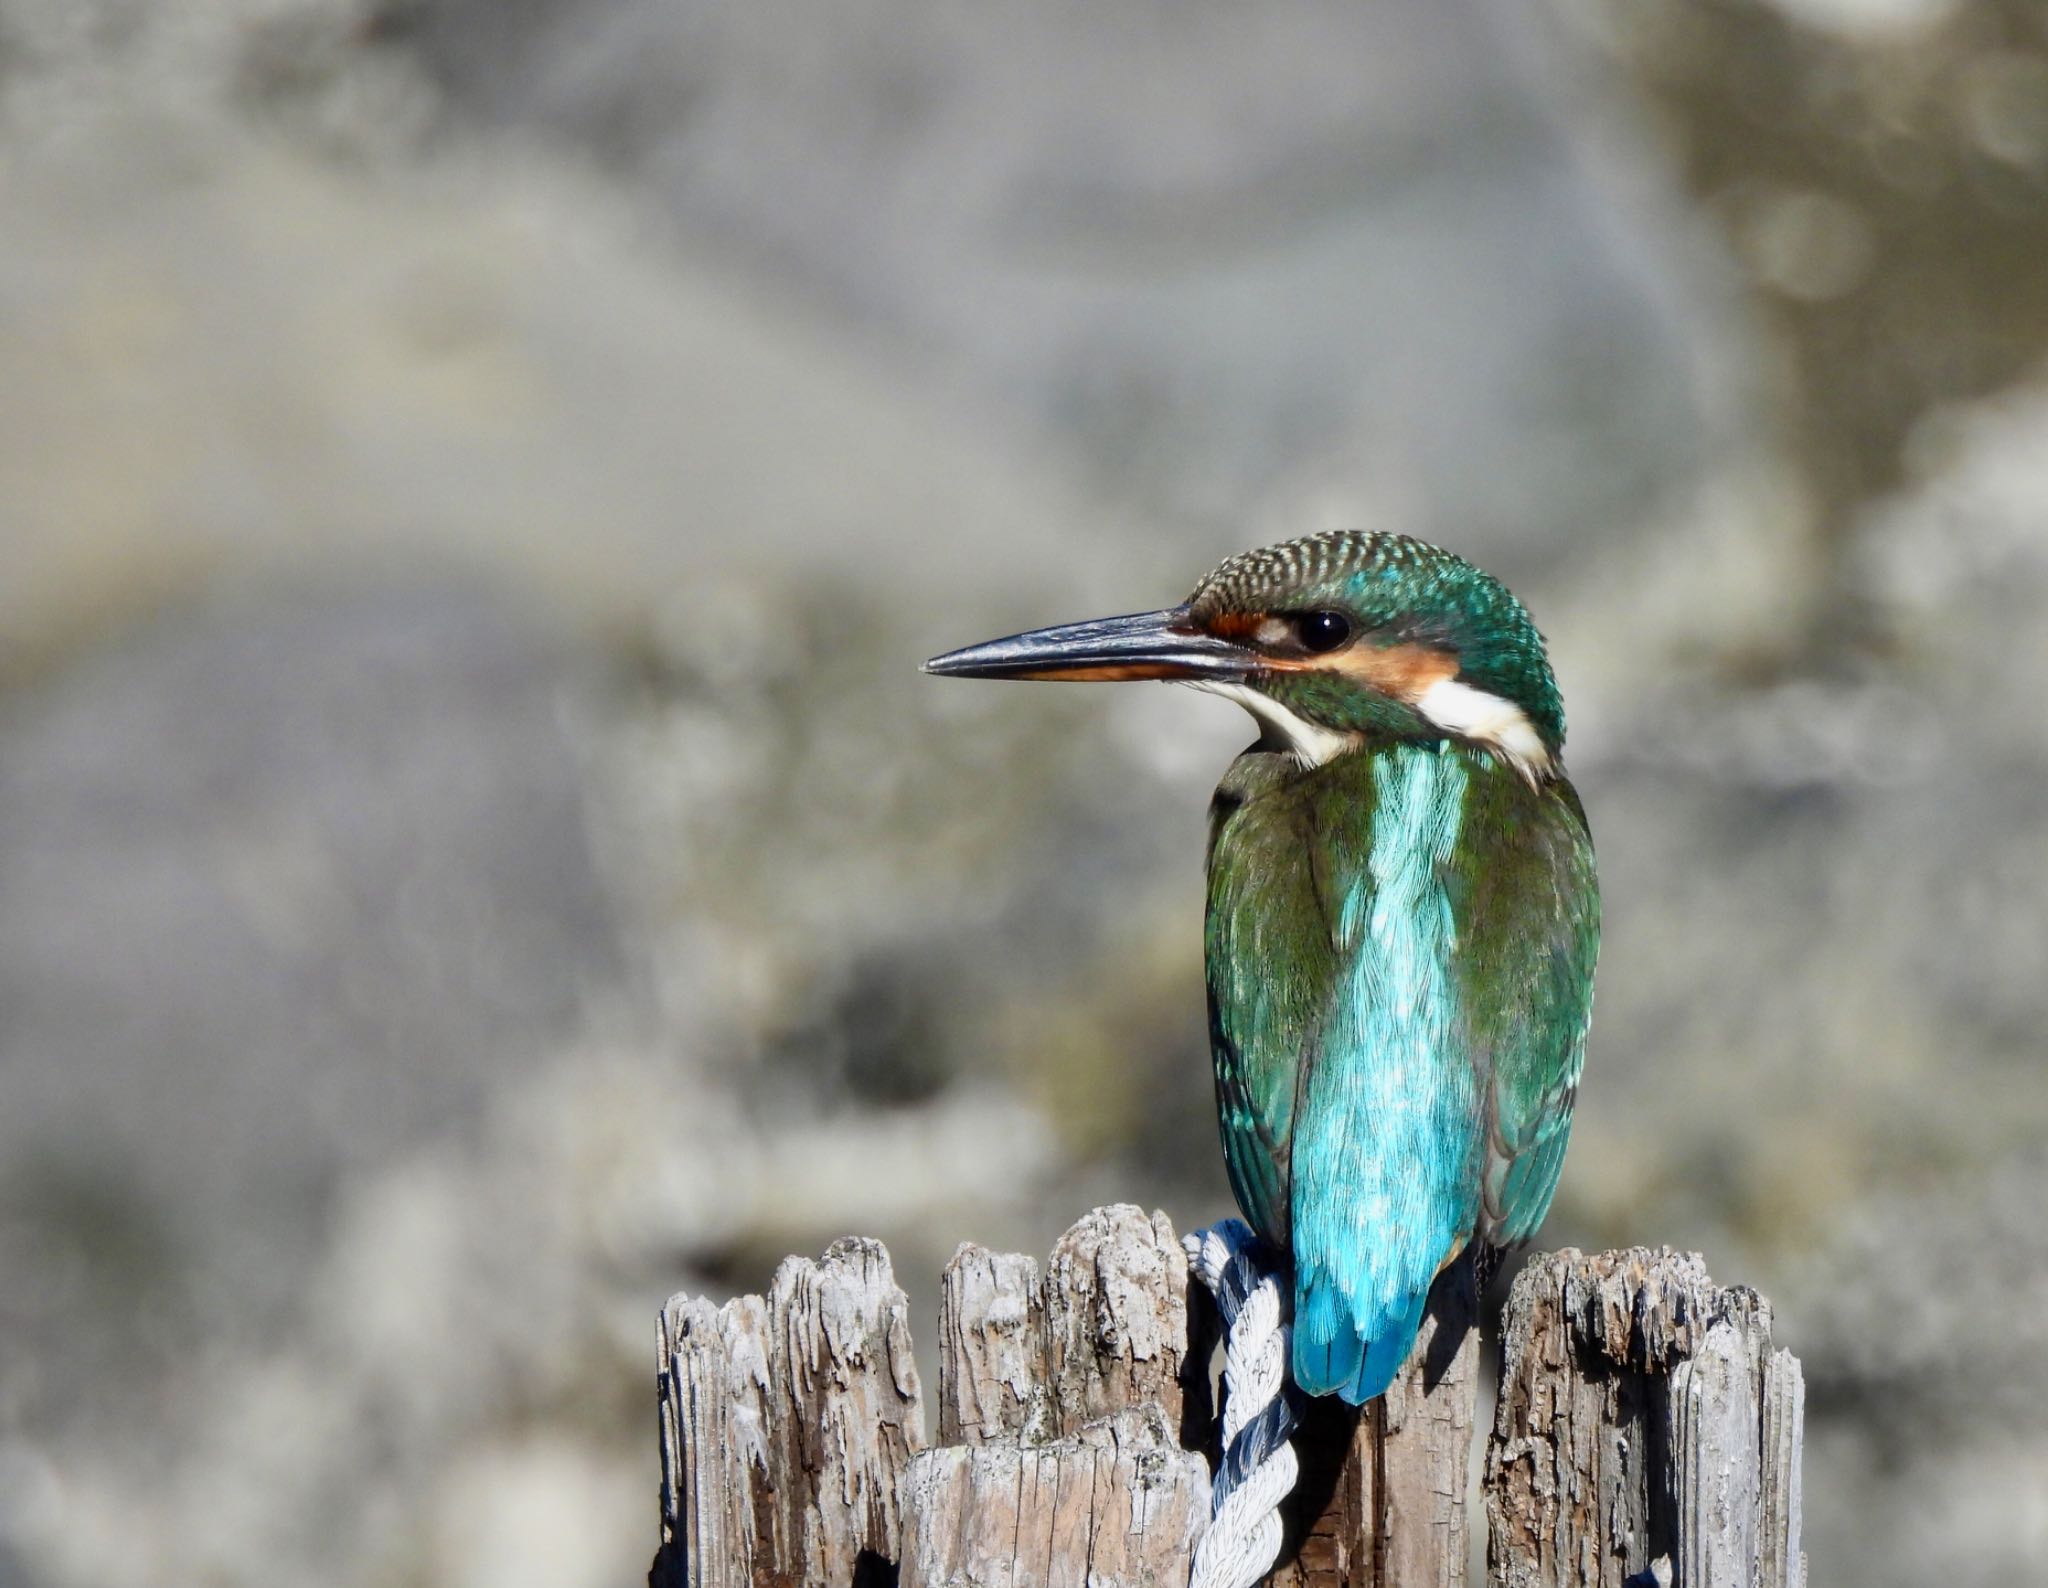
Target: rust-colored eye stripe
1239	626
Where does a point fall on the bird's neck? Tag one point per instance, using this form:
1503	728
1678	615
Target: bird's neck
1319	723
1379	813
1365	755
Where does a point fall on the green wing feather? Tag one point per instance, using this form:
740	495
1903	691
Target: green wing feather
1271	956
1531	903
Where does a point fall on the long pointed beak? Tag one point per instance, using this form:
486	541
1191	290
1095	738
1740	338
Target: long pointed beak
1144	645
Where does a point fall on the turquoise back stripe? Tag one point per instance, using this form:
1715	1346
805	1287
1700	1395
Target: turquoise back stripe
1383	1177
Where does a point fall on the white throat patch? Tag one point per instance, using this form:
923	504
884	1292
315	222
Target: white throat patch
1460	710
1308	742
1486	719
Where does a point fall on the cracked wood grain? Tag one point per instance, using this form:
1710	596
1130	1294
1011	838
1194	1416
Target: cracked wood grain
991	1348
1116	1319
1061	1402
1645	1431
786	1424
1117	1503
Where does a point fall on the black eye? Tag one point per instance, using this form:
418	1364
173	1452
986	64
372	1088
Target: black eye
1322	631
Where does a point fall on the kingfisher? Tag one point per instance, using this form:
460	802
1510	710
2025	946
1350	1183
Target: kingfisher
1403	915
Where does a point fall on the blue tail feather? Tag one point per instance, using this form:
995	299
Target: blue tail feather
1338	1353
1327	1350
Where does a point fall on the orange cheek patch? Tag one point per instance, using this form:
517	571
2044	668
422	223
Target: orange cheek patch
1401	672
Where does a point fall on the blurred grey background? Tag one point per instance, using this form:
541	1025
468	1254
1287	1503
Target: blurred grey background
476	855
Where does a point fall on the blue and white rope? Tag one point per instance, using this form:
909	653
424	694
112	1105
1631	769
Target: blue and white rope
1257	1469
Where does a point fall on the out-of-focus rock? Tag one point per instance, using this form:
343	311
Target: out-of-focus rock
1878	173
1336	250
263	854
230	352
1925	1328
290	882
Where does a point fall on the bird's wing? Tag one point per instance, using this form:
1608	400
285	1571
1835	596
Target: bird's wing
1532	933
1271	962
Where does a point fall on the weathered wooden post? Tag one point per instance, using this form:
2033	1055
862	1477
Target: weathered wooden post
1064	1404
792	1427
785	1426
1646	1431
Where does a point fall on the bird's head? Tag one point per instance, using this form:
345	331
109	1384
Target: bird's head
1333	642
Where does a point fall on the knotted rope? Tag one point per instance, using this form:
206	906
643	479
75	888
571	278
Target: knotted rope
1258	1468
